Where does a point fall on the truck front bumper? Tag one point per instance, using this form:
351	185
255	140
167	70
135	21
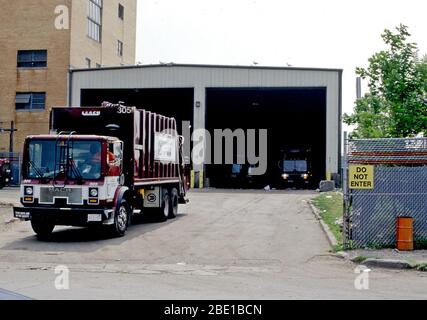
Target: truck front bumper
65	216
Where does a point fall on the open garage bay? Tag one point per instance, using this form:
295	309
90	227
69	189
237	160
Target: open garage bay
295	119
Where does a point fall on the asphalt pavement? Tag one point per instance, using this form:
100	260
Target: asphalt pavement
223	245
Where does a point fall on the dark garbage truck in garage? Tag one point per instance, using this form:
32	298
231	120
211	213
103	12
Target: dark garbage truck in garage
101	166
296	168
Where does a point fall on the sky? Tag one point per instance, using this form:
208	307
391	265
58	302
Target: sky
303	33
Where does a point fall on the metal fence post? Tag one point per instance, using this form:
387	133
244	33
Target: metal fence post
345	192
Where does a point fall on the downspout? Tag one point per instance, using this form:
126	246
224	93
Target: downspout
70	87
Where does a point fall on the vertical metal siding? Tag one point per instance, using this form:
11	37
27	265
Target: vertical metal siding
200	78
177	77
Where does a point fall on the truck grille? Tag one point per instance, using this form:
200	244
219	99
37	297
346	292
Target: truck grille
73	196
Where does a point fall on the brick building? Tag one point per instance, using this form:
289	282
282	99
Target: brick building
41	40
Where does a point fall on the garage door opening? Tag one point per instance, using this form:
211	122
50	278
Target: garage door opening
175	103
294	117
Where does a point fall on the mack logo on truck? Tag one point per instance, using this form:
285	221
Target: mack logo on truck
59	190
91	113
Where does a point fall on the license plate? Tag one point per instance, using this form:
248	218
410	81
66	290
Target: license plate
94	218
22	215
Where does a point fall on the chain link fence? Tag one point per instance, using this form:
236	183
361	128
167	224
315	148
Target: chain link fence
395	187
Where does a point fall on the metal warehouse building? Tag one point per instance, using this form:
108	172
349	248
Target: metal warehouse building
298	106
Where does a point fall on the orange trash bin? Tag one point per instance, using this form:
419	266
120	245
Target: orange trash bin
405	233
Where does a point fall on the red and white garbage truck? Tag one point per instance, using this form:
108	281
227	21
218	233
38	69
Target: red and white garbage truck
100	166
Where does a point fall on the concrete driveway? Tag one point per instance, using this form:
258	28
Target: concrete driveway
224	245
9	196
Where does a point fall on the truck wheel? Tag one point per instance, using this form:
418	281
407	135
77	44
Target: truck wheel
121	220
174	200
43	230
164	211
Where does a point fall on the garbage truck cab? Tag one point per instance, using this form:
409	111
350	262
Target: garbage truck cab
71	180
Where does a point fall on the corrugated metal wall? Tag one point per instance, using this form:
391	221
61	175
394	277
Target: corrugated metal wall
202	77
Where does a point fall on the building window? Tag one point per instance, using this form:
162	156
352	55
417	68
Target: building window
120	48
32	58
88	63
121	12
95	20
30	101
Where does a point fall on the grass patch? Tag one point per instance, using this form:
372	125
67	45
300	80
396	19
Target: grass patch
422	267
339	247
360	259
331	209
420	244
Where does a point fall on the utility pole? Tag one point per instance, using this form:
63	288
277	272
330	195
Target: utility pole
358	87
11	131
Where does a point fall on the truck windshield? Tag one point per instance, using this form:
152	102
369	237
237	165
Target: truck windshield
295	166
49	158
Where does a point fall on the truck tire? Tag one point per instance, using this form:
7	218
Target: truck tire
43	230
173	204
164	211
121	220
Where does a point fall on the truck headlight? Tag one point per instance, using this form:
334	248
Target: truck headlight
285	176
94	192
29	191
305	176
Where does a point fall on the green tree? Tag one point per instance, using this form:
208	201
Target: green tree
396	104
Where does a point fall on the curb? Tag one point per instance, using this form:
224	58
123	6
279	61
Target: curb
343	255
381	263
370	262
388	264
331	238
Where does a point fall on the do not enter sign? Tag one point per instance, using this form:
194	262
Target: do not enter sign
361	177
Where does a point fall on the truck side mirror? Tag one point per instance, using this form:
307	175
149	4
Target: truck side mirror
115	157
